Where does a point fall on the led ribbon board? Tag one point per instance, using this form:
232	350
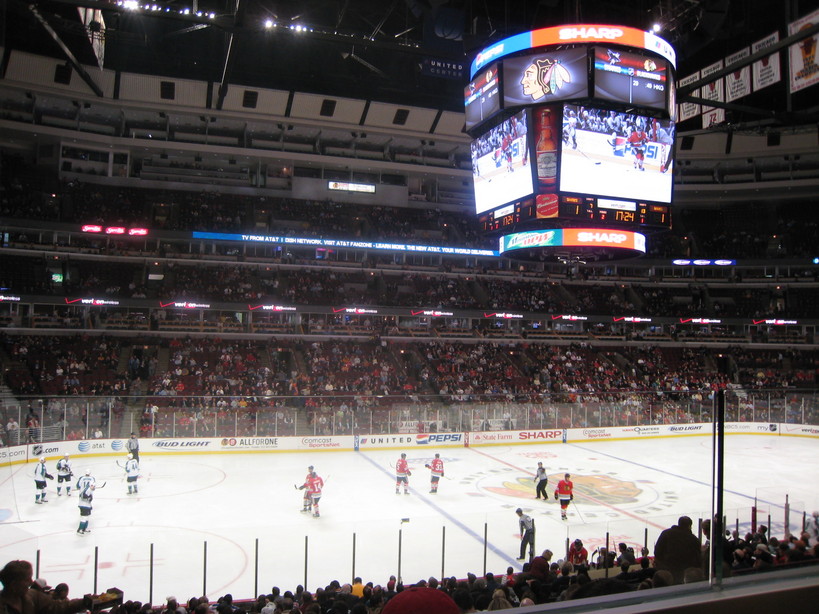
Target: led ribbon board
574	34
596	238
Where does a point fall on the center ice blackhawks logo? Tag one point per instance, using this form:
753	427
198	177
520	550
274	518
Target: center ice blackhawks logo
596	489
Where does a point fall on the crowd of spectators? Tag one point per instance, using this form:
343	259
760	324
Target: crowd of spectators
681	556
207	384
785	233
311	285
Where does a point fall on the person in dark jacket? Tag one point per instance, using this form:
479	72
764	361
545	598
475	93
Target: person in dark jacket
677	549
17	596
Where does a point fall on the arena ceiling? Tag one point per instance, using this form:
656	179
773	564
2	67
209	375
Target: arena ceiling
399	51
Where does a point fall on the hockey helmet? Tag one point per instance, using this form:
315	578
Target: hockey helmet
130	456
403	455
42	459
87	472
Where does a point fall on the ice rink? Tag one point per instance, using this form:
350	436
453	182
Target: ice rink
207	516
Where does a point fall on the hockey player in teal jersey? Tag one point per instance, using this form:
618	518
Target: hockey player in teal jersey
41	474
64	474
85	487
132	474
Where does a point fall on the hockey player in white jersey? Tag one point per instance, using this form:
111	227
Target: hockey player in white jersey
41	474
132	474
64	474
85	487
85	480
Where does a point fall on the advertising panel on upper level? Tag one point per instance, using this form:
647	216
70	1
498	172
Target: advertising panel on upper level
574	34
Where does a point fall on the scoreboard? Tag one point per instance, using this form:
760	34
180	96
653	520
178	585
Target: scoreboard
576	208
481	99
572	126
622	76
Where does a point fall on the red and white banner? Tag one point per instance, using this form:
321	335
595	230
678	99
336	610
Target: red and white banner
767	70
688	109
738	83
804	71
715	90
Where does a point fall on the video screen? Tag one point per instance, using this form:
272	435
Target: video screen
501	171
630	77
616	154
545	77
481	99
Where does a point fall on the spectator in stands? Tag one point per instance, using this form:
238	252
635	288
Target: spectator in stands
172	607
540	565
18	596
60	592
677	549
605	558
463	599
13	431
499	601
626	555
421	600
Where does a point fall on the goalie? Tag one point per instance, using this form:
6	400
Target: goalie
436	467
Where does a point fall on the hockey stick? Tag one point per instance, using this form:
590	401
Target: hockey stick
120	466
583	153
100	486
577	509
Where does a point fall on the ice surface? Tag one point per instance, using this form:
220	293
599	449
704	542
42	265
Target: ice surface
207	516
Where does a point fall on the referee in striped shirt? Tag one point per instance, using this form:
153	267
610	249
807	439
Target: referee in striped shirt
527	535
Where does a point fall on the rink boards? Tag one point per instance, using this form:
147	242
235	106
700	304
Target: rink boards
361	443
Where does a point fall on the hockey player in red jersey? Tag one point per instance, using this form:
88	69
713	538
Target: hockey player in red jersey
402	473
436	466
638	139
314	486
307	501
564	494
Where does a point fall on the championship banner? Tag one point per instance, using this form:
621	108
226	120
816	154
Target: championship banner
766	71
711	116
804	71
688	109
738	83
